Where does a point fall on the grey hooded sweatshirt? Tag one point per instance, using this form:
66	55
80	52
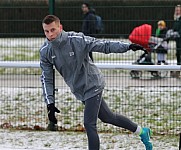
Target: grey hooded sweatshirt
69	53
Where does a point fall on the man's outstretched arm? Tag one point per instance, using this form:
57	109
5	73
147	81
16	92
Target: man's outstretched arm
106	46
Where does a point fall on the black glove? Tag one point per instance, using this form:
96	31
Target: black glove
51	113
135	47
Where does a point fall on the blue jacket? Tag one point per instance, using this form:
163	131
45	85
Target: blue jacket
69	54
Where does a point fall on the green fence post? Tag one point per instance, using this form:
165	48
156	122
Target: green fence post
52	12
51	7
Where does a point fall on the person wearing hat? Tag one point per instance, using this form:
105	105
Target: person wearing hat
161	51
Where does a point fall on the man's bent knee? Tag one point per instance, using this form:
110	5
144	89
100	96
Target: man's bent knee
108	118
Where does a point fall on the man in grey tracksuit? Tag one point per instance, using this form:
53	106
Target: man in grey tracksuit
69	53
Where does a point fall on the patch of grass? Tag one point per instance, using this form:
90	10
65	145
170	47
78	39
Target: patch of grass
17	98
2	70
14	57
67	122
31	140
47	145
117	98
65	110
67	117
69	99
175	94
80	108
139	97
22	56
158	100
24	71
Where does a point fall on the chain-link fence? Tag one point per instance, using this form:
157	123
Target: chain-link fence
145	98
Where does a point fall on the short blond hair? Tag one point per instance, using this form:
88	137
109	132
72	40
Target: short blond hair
162	23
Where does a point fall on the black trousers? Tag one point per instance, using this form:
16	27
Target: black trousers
96	107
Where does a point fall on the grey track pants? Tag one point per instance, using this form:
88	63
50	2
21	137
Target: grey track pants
96	107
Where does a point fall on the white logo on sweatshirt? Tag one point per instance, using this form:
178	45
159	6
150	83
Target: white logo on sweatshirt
71	53
53	56
96	90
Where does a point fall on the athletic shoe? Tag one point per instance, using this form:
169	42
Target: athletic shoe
145	138
52	126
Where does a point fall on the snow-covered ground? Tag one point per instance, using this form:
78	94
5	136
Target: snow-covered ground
158	108
43	140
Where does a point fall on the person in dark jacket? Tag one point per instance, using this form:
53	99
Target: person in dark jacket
161	51
177	30
68	52
89	23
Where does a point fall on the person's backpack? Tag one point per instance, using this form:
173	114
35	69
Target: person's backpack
99	24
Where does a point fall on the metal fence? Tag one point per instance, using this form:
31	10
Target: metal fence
148	100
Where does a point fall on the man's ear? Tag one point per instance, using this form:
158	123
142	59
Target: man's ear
61	27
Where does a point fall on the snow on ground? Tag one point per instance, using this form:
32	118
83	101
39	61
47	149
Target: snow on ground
43	140
158	108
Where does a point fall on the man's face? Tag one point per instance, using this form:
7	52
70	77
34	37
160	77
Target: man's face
178	11
52	30
85	9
